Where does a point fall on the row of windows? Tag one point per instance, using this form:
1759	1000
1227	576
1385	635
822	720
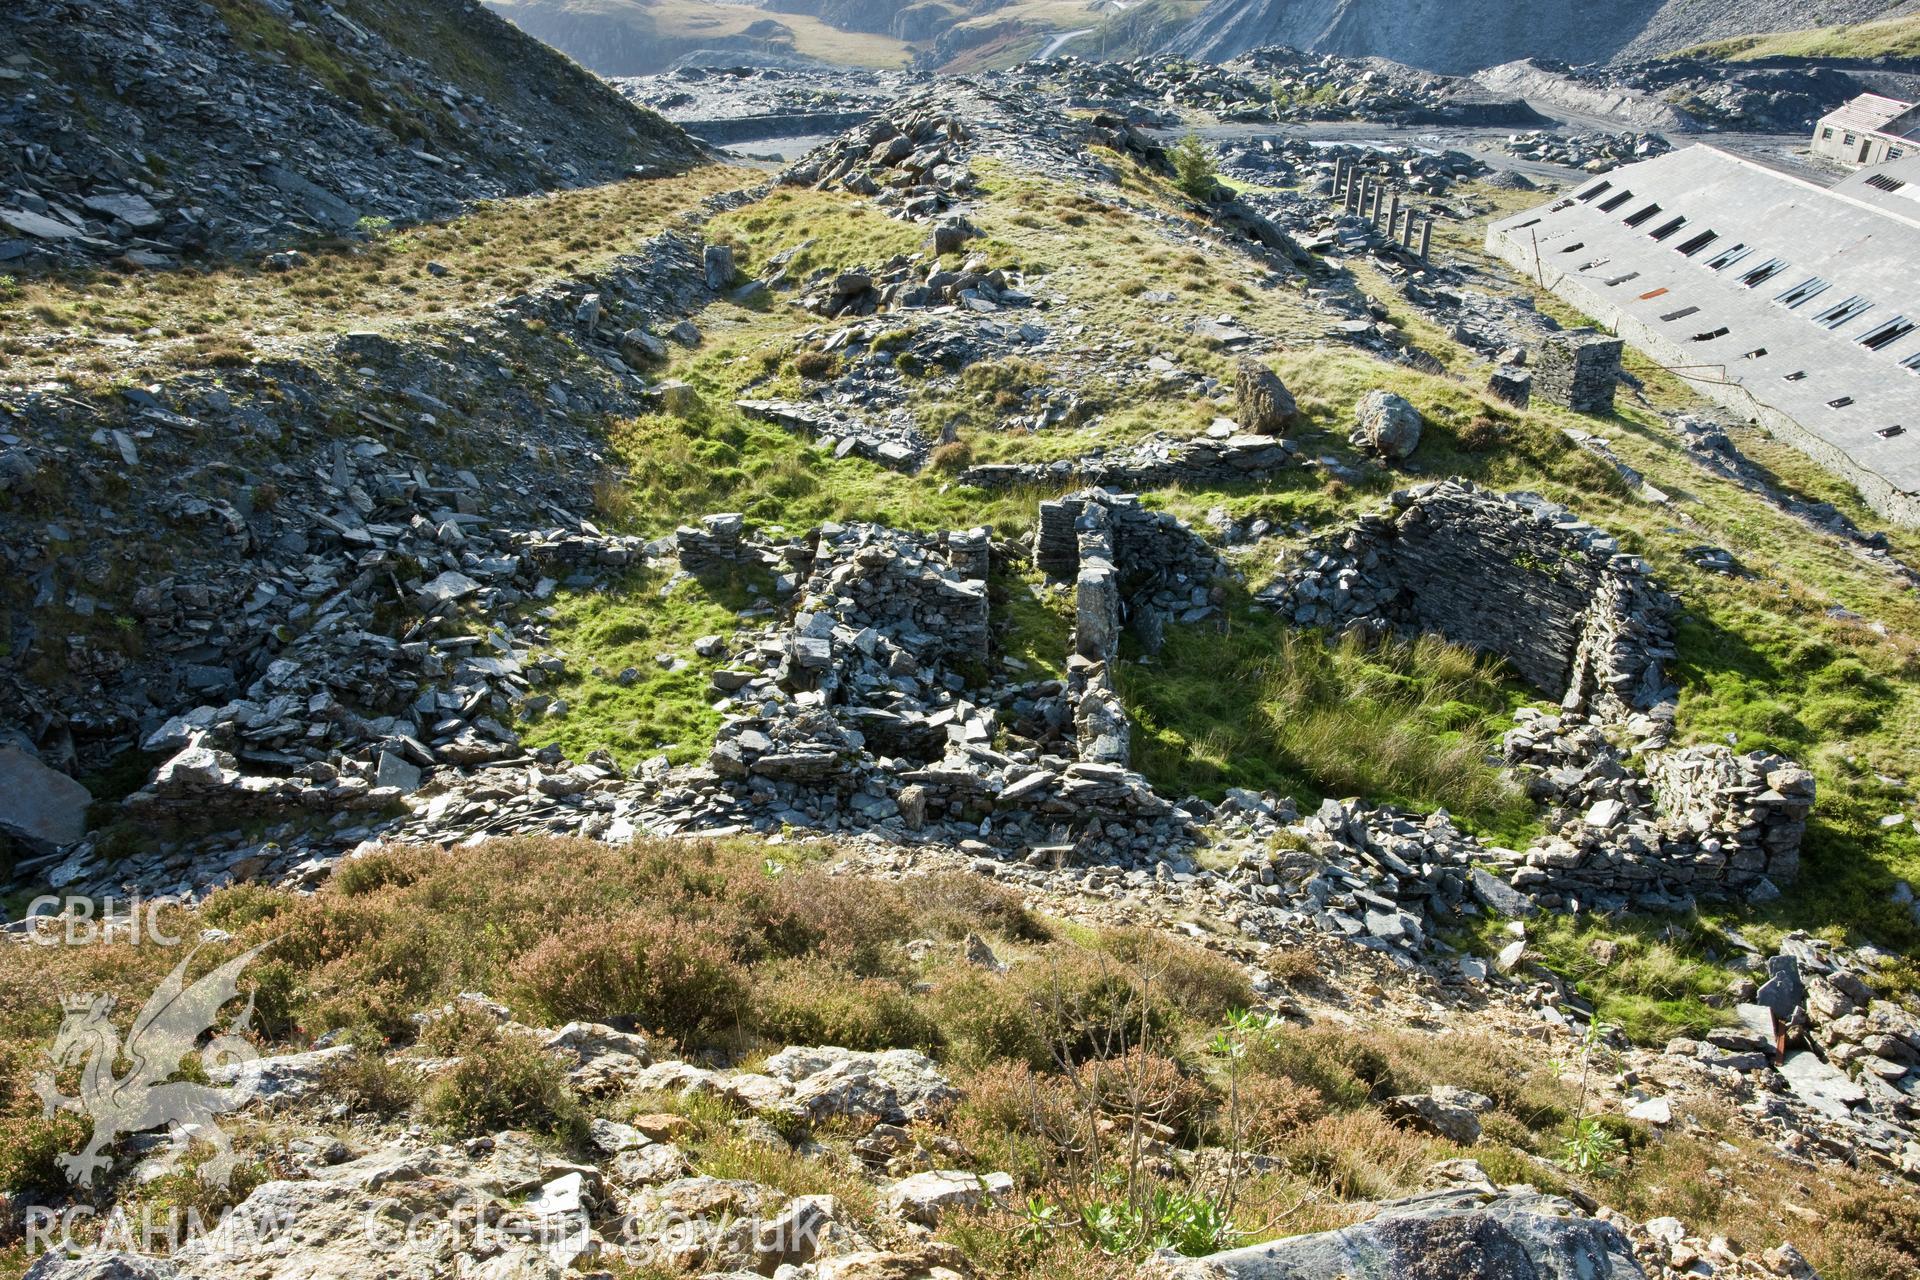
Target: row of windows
1834	317
1826	135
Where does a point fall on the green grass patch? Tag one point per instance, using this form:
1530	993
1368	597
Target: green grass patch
1257	703
1648	975
1891	38
606	634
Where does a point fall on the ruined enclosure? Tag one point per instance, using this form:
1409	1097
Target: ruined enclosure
1519	577
1513	576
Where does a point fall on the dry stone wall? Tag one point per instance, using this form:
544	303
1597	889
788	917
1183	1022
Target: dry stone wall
1155	463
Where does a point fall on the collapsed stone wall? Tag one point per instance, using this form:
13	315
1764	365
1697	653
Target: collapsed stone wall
874	707
1155	463
1661	828
1529	581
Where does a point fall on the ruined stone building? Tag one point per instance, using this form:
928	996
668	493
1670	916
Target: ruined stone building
1869	130
1795	305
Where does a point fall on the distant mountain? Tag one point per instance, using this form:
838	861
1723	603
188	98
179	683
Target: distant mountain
1466	35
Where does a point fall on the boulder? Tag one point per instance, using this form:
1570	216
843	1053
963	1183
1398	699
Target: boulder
41	807
1261	402
937	1261
1444	1111
1441	1235
926	1196
1388	426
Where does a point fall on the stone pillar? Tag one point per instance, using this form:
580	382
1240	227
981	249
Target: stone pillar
1393	217
1579	370
1056	547
970	553
713	550
1352	198
1096	629
1426	238
1406	232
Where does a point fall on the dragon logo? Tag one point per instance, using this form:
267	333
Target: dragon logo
145	1097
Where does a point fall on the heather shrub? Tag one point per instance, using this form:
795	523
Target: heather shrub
1268	1112
504	1081
1151	1086
1071	1007
1201	984
666	975
801	1002
367	1082
1013	1118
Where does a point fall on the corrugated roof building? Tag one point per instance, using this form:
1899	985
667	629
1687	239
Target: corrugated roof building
1794	304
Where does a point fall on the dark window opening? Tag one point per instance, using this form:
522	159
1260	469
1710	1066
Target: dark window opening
1667	230
1593	192
1805	291
1888	433
1841	403
1711	334
1885	183
1681	314
1888	334
1617	281
1911	363
1763	273
1798	375
1575	247
1728	256
1645	215
1754	354
1837	316
1690	247
1564	204
1530	222
1615	202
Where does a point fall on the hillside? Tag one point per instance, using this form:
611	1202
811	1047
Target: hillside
1466	35
1891	38
1019	696
173	127
640	37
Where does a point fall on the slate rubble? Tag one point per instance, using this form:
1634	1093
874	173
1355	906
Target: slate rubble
145	130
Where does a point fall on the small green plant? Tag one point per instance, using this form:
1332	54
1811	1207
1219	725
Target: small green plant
1193	167
1193	1225
9	288
373	225
1593	1149
1040	1220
